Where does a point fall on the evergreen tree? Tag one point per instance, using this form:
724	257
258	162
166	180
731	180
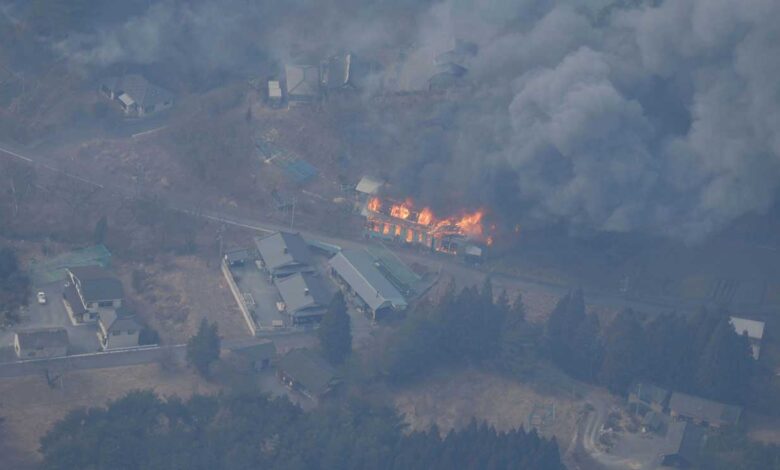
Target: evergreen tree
726	362
624	352
518	339
203	348
101	228
334	332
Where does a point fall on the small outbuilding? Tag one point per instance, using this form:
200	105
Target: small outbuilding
259	355
304	371
754	330
41	343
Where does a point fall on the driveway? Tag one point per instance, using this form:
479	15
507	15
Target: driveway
83	338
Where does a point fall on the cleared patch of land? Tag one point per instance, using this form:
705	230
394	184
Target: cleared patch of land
452	399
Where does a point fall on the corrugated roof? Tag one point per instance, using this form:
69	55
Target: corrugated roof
704	410
283	249
357	268
42	338
303	291
308	369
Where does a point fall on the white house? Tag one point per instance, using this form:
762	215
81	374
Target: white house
754	330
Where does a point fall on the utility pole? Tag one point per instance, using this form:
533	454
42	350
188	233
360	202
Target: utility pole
292	215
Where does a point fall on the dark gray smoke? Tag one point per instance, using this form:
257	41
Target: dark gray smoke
657	116
661	118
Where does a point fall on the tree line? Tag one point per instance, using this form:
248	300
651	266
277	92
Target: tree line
700	354
249	431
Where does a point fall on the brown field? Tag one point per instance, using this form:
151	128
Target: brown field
177	292
452	399
30	407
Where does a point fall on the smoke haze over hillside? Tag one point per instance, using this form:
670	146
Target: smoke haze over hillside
659	116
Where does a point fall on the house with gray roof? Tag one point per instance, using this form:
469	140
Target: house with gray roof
303	83
240	256
118	329
136	95
41	343
90	291
283	254
305	372
357	272
305	297
703	411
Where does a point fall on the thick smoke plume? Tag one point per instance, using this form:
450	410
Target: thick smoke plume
657	116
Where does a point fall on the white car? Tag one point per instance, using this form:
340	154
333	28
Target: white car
41	297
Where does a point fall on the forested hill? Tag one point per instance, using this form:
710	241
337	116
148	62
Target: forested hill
249	431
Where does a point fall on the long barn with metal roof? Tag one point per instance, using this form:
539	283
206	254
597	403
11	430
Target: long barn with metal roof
357	271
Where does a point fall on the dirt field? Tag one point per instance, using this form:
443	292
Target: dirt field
29	407
451	399
176	292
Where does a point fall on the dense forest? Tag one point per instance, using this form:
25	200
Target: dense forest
700	354
250	431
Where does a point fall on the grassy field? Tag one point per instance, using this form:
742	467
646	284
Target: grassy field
29	407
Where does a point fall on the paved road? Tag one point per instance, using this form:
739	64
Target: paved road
237	217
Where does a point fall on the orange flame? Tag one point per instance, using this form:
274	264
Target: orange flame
425	217
468	224
374	204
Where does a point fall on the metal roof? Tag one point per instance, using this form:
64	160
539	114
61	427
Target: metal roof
283	249
138	89
649	393
303	292
357	268
309	370
42	338
302	80
368	185
704	410
119	320
258	352
753	328
97	284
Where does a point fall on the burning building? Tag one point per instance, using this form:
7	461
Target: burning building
403	222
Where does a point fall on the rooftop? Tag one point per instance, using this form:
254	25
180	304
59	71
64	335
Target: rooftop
119	320
358	269
368	185
704	410
258	352
308	369
303	291
139	89
282	249
97	283
240	255
42	338
648	392
753	328
302	80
